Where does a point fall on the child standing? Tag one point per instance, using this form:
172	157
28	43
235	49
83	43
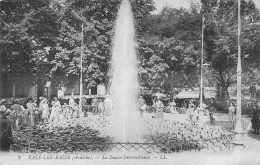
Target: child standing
231	111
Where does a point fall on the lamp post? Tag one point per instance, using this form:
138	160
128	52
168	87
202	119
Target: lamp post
81	70
202	63
238	140
201	66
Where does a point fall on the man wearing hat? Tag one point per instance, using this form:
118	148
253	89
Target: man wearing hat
16	106
6	138
256	119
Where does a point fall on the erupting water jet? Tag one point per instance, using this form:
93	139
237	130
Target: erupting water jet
124	82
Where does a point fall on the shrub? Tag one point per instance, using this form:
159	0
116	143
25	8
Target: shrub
167	109
176	136
221	106
182	110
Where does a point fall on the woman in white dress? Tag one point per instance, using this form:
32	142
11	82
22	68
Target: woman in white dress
76	111
61	92
172	106
159	108
45	110
101	107
190	111
55	106
65	111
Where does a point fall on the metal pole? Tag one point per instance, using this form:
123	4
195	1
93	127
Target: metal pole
238	126
201	67
81	69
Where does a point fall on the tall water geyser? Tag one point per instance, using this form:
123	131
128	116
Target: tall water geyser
124	81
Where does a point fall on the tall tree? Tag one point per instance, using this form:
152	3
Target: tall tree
170	50
98	18
221	39
27	29
41	40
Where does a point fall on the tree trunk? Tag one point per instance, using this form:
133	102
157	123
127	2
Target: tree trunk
225	94
224	86
172	92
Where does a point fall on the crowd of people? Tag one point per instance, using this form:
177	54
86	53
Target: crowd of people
157	107
254	92
32	111
194	112
192	108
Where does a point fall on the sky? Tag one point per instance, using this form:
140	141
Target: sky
159	4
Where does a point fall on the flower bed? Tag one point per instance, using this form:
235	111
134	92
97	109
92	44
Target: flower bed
57	138
92	135
186	136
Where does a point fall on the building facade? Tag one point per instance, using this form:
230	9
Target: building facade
16	89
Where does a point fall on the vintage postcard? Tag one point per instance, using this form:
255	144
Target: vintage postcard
130	82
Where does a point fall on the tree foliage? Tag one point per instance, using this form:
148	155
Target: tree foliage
27	28
170	50
46	37
221	39
42	40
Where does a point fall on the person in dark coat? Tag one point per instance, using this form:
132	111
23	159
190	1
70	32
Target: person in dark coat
252	91
257	96
6	138
256	119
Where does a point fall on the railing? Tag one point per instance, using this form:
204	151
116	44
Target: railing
227	125
117	147
77	147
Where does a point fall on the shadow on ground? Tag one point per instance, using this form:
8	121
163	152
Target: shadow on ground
253	136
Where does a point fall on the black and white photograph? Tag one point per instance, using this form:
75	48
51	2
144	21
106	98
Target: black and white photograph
130	82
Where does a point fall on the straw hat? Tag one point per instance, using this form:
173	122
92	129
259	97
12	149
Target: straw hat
2	101
2	109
